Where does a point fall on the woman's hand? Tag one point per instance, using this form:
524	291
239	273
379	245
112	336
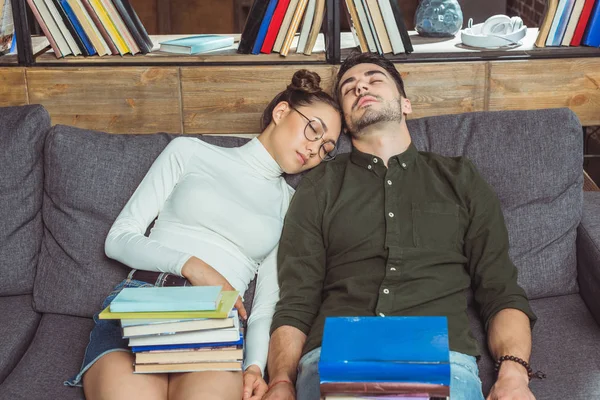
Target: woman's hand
199	273
255	386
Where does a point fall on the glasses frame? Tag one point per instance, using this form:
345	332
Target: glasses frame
328	155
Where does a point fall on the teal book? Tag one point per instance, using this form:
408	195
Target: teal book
196	44
173	298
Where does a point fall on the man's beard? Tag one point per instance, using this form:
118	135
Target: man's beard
390	112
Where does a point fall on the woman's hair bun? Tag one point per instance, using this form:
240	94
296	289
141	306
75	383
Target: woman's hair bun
306	81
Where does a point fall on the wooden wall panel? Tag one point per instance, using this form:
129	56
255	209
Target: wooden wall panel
534	84
202	16
232	99
13	88
115	100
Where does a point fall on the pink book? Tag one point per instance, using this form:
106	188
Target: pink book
40	21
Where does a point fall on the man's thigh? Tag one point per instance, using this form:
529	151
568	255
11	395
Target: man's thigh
307	383
464	381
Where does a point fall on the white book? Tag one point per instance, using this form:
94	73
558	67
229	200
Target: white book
105	49
561	9
391	26
364	23
573	20
371	26
285	25
133	328
63	28
309	14
60	40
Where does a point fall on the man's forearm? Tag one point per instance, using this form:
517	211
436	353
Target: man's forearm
509	333
285	349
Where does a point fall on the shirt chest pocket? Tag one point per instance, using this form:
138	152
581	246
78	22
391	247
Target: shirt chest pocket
435	225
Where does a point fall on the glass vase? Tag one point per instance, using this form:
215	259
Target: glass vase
438	18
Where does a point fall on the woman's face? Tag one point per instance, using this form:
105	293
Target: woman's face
302	133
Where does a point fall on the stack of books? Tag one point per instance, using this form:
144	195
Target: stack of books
91	27
378	26
272	25
180	329
385	357
570	23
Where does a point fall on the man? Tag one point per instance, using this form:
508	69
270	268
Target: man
387	230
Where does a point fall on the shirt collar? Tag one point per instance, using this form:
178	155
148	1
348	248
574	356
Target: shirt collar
259	159
371	162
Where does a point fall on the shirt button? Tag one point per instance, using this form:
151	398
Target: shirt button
386	291
375	160
403	165
389	183
391	215
369	167
381	314
392	269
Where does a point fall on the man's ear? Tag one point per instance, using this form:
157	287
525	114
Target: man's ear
405	105
280	111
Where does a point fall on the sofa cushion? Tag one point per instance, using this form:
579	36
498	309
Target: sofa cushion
19	323
566	345
22	133
533	160
55	355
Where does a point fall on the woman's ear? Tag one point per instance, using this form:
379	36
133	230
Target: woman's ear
280	111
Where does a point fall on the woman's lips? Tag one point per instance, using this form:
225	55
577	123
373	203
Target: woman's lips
301	158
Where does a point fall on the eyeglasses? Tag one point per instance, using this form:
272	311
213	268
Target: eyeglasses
313	132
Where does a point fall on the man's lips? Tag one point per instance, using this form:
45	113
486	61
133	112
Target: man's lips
365	100
301	158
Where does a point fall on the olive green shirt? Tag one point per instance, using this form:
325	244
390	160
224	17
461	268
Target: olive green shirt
360	239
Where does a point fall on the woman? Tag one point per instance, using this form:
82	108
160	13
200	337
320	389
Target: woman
220	214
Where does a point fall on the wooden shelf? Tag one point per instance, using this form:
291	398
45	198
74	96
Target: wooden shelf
156	57
9	59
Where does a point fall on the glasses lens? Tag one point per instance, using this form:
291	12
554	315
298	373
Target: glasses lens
327	151
314	130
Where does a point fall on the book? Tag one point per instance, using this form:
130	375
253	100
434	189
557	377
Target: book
196	44
364	23
101	28
384	388
371	25
75	50
132	327
100	11
134	25
189	356
264	26
175	298
573	20
546	23
289	38
204	336
118	23
592	33
38	16
89	27
583	22
316	27
559	25
139	349
52	27
274	26
380	29
391	26
188	367
419	396
72	24
285	25
252	25
307	21
359	349
228	299
359	36
408	47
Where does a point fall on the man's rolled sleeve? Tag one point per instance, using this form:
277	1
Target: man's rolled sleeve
300	261
493	274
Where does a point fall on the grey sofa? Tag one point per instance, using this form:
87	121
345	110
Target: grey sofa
62	187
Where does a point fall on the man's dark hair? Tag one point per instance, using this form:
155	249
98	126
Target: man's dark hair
356	58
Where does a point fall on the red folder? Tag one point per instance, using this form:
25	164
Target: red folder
274	26
583	21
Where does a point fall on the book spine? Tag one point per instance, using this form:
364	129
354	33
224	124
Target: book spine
354	23
383	388
398	16
379	26
98	23
316	27
264	26
306	25
575	15
544	31
592	34
70	25
392	28
364	23
583	22
287	43
148	306
56	15
145	43
285	25
274	26
129	30
552	35
78	28
255	17
44	28
371	25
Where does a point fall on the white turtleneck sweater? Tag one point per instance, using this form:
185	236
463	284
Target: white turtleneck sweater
223	205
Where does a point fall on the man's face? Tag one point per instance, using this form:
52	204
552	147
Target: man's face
369	95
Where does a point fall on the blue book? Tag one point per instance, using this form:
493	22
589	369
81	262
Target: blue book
138	349
385	349
78	28
591	37
264	26
560	22
196	44
13	45
174	298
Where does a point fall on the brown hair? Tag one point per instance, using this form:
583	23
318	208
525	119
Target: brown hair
304	89
356	58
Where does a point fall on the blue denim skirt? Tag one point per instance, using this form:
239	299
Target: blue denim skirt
106	336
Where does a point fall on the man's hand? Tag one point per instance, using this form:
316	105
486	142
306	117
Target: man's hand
255	386
200	273
282	390
512	384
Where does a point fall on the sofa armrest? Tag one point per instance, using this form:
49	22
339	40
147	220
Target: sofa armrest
588	253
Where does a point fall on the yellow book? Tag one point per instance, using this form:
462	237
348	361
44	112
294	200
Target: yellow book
289	38
110	27
228	299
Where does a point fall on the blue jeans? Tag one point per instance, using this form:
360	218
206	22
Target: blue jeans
464	380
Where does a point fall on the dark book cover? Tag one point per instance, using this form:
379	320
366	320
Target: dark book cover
401	26
255	17
73	25
134	25
384	388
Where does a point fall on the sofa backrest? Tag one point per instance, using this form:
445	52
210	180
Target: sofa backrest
22	133
534	161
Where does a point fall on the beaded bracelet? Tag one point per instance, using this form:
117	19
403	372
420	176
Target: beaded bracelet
525	364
